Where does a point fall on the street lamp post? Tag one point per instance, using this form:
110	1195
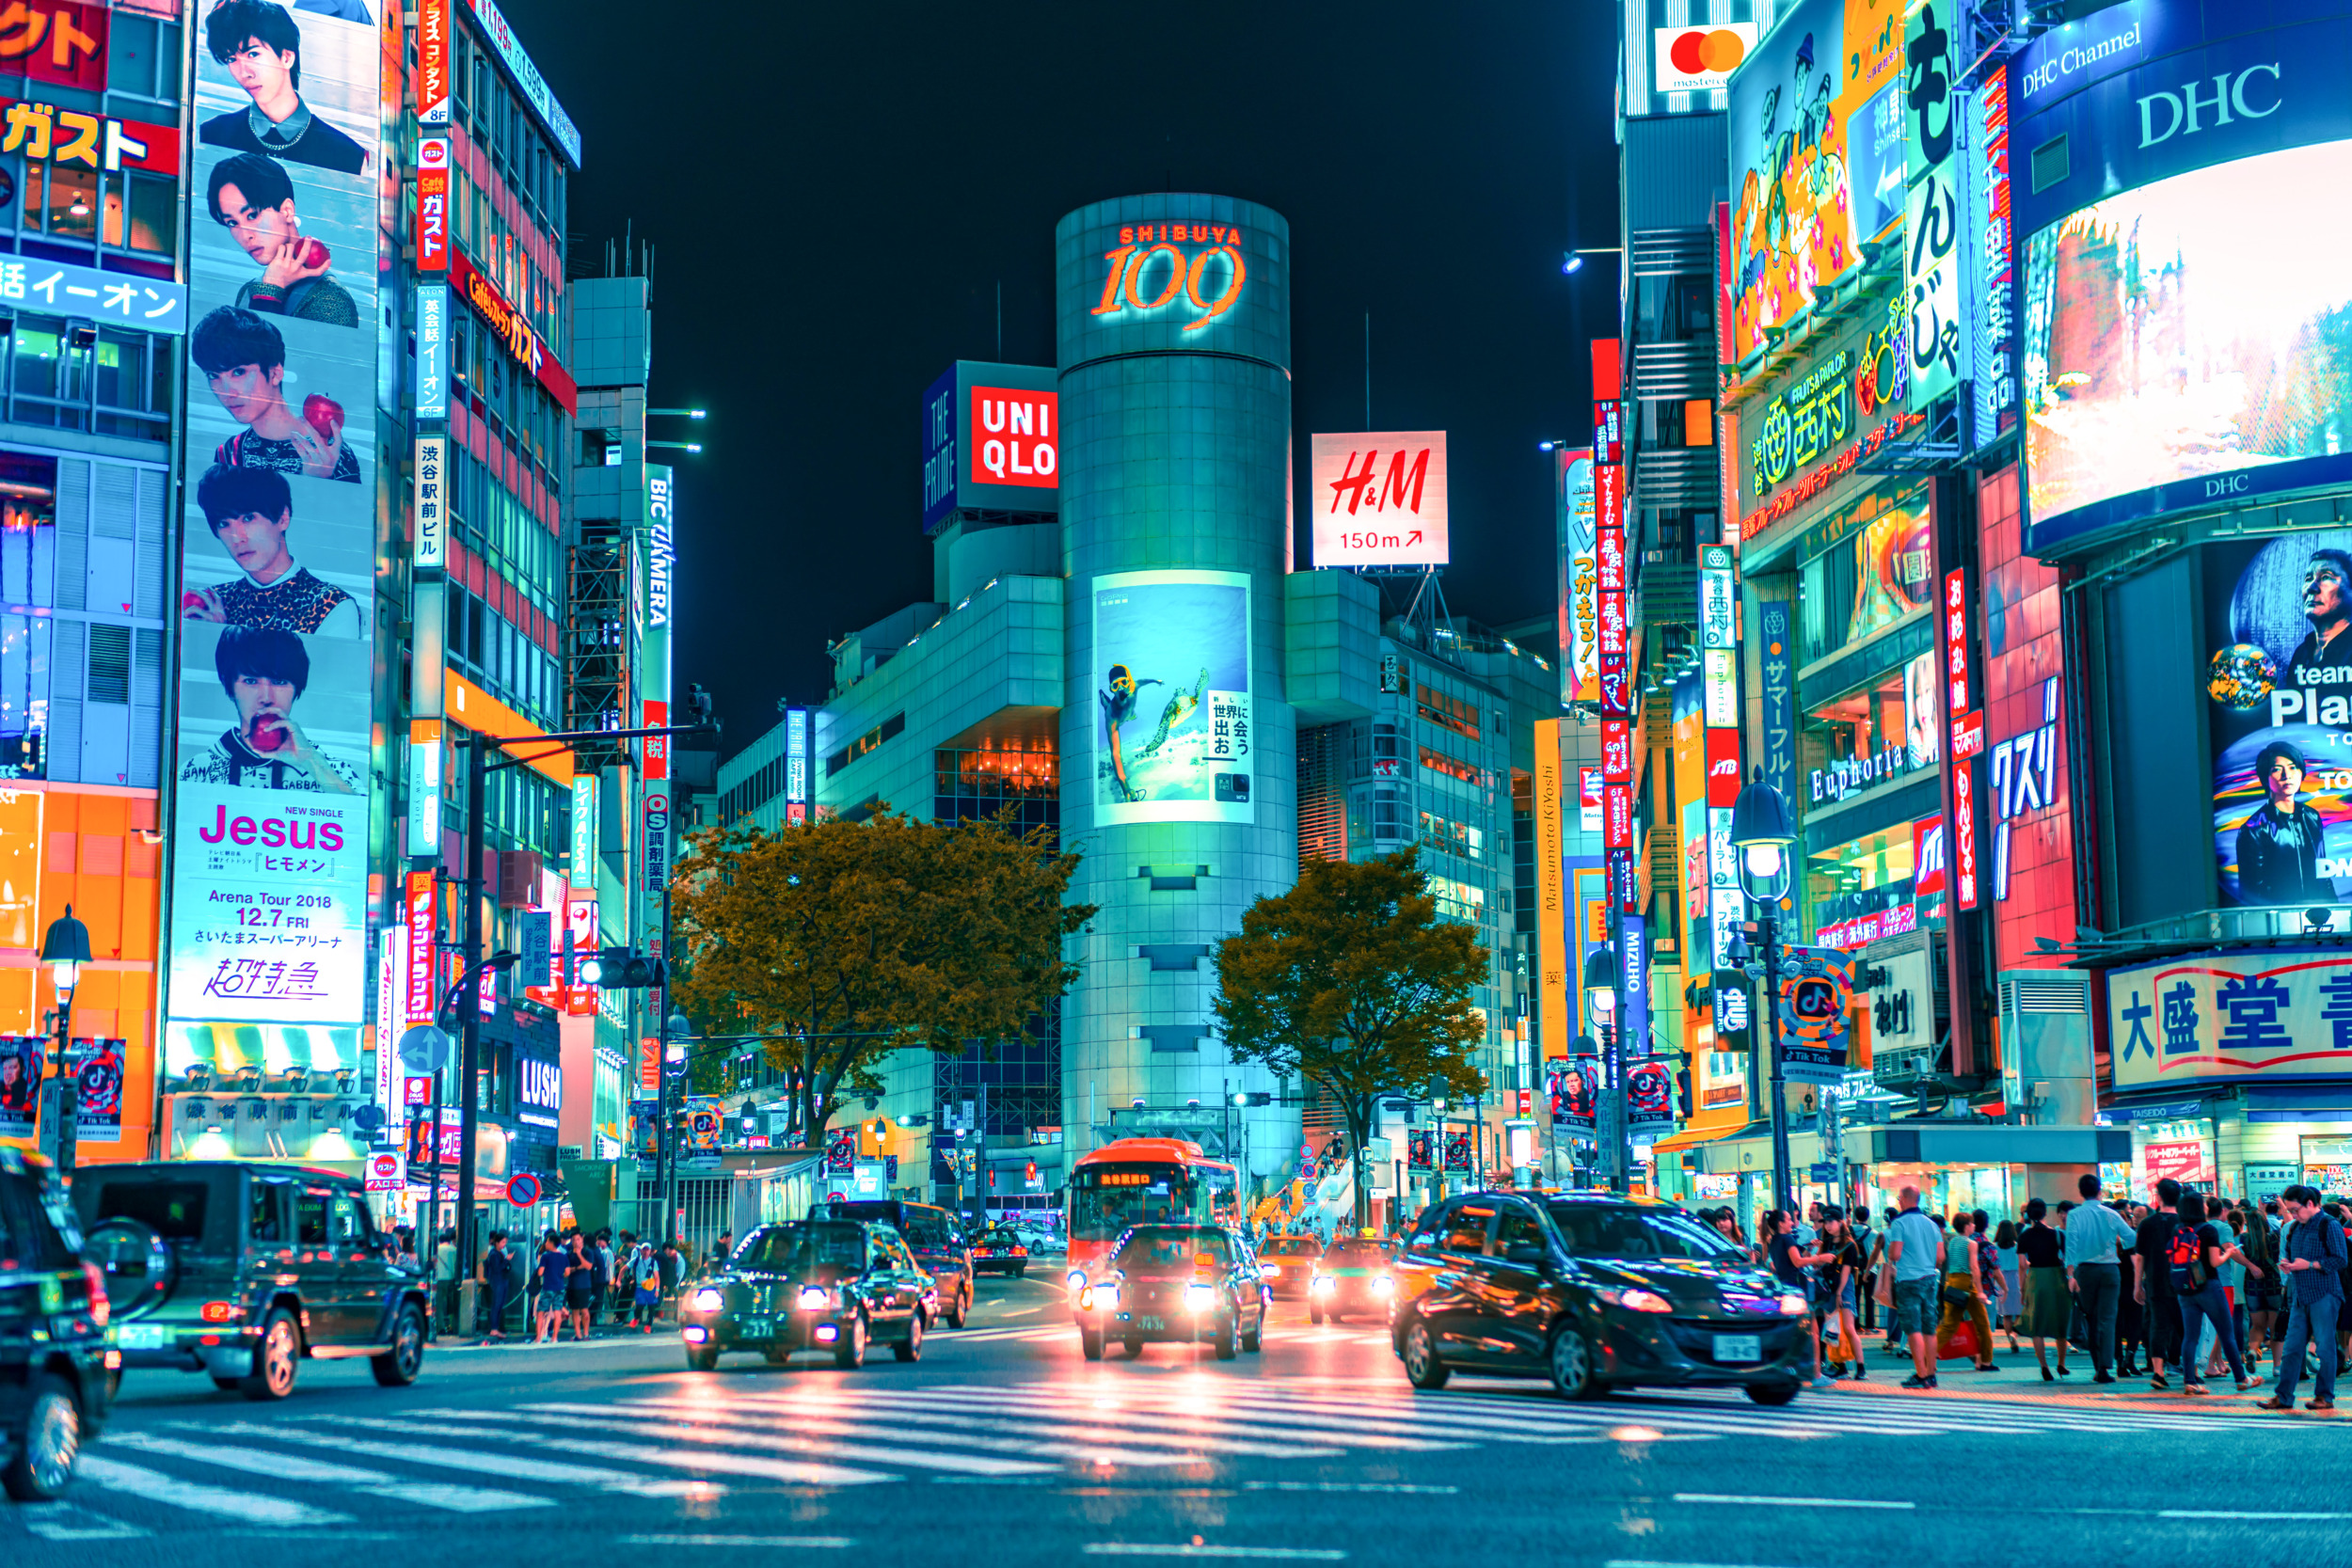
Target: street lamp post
1760	835
65	948
1600	997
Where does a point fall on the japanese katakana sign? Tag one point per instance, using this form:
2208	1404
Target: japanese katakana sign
55	40
55	288
92	140
2272	1014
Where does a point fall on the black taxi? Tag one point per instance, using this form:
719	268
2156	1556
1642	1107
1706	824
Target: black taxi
821	1285
56	1362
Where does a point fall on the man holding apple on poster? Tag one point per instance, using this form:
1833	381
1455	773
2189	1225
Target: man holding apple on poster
264	671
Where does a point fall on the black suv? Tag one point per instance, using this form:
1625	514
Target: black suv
1595	1291
936	1236
240	1270
54	1358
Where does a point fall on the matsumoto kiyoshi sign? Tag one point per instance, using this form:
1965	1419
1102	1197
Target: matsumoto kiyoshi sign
2274	1014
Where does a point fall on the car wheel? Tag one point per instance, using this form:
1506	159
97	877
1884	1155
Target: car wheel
1226	1335
114	1384
1314	1316
1571	1364
1134	1348
848	1351
1021	1273
46	1444
911	1348
1255	1338
963	1309
398	1367
1423	1369
275	1357
1772	1393
703	1360
1090	1344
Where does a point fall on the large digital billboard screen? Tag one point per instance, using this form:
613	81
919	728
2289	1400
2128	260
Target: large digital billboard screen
1379	499
270	811
2184	335
1174	721
1816	156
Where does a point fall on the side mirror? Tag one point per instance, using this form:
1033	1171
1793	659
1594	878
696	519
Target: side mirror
1524	1252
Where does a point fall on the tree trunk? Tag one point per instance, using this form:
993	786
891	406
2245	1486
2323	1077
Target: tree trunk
1358	1107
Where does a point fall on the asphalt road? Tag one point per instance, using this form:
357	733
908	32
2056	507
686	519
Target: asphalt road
1002	1445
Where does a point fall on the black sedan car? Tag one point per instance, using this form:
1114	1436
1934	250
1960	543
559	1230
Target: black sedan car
999	1251
55	1361
1595	1291
1174	1282
823	1285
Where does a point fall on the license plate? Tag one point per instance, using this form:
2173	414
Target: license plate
756	1328
143	1335
1149	1322
1738	1347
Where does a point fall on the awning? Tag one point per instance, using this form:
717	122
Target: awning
1690	1137
2309	1104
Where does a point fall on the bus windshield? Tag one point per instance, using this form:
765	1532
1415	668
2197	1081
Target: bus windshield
1106	1199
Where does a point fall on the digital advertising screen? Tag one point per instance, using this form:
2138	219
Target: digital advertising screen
270	801
2277	673
1816	156
1173	725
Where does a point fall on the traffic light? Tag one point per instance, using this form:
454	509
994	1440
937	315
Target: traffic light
1253	1097
698	707
621	969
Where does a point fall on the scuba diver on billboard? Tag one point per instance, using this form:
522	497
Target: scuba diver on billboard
1119	707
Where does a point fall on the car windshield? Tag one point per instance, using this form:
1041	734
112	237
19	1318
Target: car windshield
1292	1246
1598	1231
1163	1254
813	1253
1355	1255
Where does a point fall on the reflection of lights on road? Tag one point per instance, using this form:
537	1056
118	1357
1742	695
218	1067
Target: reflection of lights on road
1635	1434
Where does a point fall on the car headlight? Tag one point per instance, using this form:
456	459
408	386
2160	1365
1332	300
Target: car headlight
1323	1282
1200	1298
1075	1278
1793	1306
1382	1285
709	1300
1271	1270
1636	1299
1098	1298
815	1298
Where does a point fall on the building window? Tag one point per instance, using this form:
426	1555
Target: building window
1024	776
887	729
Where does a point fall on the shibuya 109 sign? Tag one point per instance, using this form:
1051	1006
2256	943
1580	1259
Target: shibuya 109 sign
1193	270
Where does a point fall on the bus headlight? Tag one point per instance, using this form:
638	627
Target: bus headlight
1098	1298
1383	1285
1075	1278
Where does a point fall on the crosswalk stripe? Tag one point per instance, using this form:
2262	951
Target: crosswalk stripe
244	1506
64	1522
480	1461
1203	1435
801	1471
1112	1450
617	1418
1189	1422
456	1499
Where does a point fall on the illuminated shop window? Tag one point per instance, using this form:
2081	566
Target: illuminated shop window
1864	887
1881	574
1885	732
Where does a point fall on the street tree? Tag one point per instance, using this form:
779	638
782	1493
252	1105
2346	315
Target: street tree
1352	982
839	941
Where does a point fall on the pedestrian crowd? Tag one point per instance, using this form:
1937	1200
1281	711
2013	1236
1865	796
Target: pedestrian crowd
576	1282
2193	1286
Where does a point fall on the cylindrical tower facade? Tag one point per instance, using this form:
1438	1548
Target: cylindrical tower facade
1178	774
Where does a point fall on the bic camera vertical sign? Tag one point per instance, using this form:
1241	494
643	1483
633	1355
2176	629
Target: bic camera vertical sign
1933	257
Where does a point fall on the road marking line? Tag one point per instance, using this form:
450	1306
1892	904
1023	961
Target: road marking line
247	1508
1645	1562
1346	1487
56	1523
813	1420
806	1542
705	1459
479	1461
2226	1514
1290	1553
1220	1416
1789	1502
608	1418
456	1499
1088	1428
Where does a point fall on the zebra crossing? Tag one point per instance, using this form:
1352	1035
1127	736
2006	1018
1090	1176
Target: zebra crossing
691	1442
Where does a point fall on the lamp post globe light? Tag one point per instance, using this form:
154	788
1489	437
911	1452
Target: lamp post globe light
1601	999
1761	836
65	948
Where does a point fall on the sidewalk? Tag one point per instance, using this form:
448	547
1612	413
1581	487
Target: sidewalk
2020	1378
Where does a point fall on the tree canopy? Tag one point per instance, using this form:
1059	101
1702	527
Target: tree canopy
1352	982
840	941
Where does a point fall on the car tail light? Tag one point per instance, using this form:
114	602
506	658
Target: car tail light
218	1311
99	1308
1020	1252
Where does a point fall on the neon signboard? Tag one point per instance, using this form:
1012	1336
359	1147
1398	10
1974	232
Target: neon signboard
1152	259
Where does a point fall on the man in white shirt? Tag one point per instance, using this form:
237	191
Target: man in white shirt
2094	1272
1915	1250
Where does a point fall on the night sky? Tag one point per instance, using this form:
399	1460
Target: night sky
835	193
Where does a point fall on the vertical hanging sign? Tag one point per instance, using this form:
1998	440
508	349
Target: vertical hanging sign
432	351
432	503
433	204
1963	773
1718	632
1932	253
583	870
417	911
432	62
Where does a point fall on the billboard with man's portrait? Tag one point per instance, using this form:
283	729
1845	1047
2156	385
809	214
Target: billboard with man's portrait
270	809
2278	674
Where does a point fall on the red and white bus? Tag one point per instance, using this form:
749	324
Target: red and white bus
1142	1181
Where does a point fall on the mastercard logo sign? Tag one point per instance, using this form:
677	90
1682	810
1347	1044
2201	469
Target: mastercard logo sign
1697	59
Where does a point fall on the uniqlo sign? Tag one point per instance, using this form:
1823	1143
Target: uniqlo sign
417	910
433	204
1616	749
1013	437
1616	816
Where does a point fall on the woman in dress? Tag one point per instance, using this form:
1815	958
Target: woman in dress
2041	1253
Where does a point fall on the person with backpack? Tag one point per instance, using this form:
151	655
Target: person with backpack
2194	1257
2152	1282
646	1282
2312	1254
2264	1290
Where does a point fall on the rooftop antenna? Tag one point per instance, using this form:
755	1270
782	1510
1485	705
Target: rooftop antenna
1367	369
1000	321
